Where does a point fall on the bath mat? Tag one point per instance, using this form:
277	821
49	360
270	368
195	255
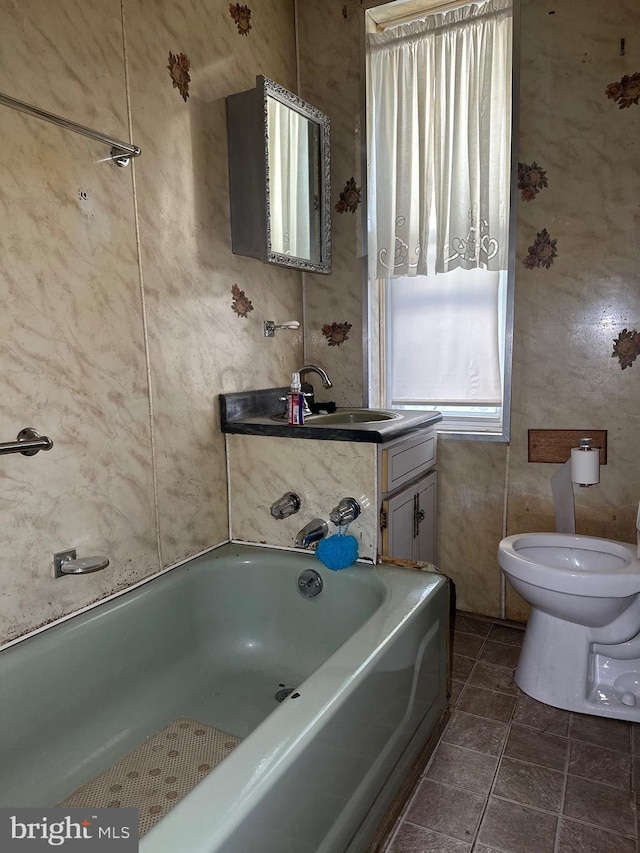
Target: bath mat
158	773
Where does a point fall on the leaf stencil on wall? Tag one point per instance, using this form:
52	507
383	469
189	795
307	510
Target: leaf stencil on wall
625	91
349	197
626	347
336	333
541	252
531	179
179	69
242	16
241	304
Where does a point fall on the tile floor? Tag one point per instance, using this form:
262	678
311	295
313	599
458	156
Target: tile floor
511	775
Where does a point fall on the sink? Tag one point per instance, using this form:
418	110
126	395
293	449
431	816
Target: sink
346	416
352	416
262	412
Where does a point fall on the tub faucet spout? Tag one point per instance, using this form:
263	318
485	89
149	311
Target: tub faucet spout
312	532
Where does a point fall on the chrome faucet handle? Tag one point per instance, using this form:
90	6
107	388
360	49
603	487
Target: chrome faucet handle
285	506
347	511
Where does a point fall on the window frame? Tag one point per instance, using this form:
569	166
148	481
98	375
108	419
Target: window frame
375	332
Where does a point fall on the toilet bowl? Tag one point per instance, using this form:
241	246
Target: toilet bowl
581	649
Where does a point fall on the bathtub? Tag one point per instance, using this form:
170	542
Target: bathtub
221	639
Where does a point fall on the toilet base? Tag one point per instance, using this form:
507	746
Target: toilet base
559	666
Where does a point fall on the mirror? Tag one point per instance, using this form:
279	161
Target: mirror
279	178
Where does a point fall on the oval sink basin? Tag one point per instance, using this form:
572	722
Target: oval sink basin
352	416
345	416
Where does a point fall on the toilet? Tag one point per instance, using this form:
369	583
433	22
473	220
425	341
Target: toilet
581	649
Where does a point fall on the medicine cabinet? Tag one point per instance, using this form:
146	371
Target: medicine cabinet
279	178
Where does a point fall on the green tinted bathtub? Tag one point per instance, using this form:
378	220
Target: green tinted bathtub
216	639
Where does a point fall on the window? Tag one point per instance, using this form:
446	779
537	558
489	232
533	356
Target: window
439	149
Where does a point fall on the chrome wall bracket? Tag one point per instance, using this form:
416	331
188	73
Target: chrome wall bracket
271	327
66	563
121	158
29	442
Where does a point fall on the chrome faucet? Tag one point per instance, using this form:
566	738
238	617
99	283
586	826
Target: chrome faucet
307	387
313	368
312	532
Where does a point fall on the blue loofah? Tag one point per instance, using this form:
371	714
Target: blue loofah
337	552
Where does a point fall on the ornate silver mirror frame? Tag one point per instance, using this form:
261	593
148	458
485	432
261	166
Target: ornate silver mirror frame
280	199
322	199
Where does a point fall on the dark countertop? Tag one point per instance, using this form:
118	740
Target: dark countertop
249	413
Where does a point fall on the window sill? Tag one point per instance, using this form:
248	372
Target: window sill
452	435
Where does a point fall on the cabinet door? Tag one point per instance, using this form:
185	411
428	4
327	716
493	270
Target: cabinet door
398	525
425	541
409	522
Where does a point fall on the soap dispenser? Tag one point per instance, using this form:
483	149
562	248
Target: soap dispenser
295	401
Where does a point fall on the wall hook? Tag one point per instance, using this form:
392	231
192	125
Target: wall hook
271	327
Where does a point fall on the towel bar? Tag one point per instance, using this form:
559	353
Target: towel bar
29	442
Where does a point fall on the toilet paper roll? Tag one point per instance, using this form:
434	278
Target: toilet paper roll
585	466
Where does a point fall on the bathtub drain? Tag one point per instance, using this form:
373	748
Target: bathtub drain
281	695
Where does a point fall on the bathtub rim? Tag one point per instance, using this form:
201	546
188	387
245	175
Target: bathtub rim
111	596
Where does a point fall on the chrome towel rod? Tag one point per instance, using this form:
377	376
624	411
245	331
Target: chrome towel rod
29	442
121	152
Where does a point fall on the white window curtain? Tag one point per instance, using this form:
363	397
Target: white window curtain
439	107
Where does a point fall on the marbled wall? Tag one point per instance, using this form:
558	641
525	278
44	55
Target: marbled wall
262	469
329	37
117	331
566	316
197	346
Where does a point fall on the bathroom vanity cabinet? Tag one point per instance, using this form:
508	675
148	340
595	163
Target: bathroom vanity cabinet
408	483
388	465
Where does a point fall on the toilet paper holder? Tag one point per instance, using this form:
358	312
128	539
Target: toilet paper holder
582	468
585	464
